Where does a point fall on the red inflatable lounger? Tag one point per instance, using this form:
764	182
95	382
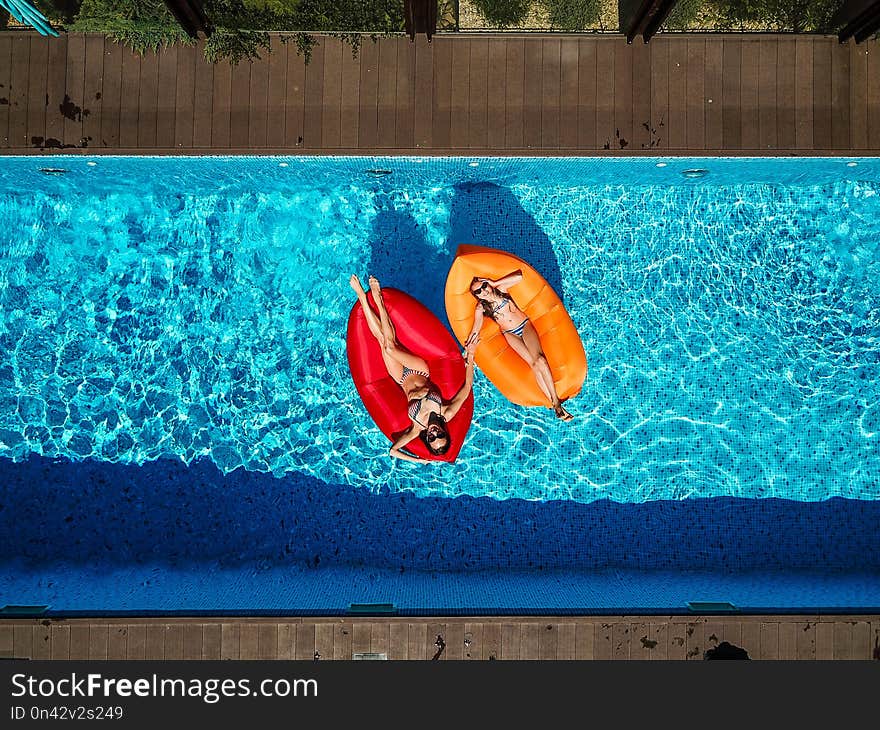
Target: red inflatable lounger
420	332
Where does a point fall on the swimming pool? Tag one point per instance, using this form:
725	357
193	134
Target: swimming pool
196	307
179	431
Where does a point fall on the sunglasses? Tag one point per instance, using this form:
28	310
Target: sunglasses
481	288
432	437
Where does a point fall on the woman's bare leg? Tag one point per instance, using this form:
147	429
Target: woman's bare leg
519	347
533	343
387	325
372	319
392	346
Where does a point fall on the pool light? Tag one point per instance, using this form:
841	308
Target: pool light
695	172
852	164
282	164
661	164
474	164
90	163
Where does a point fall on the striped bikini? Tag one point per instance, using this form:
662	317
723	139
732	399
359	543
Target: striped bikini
518	330
415	405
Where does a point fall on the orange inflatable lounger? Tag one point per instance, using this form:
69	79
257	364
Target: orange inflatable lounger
508	371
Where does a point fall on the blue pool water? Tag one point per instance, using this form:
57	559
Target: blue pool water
186	308
179	429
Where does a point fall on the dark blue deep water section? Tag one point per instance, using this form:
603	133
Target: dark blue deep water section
167	537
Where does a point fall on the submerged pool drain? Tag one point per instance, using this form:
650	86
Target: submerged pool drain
695	172
379	172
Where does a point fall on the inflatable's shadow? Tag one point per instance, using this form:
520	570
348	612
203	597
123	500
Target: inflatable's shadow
94	513
487	214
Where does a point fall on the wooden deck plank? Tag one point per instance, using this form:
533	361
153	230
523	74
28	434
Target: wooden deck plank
659	49
423	90
514	94
239	104
154	643
603	648
229	641
18	90
184	96
42	639
659	635
511	641
677	640
822	110
551	84
714	94
93	89
459	97
314	95
750	106
873	92
368	106
193	640
220	106
213	641
568	93
331	115
788	640
60	641
5	78
496	81
532	94
22	641
387	95
565	641
840	99
696	94
258	118
203	100
803	93
478	79
548	641
166	100
696	640
492	641
37	90
406	55
324	638
287	641
623	101
350	79
277	86
398	640
767	68
362	637
641	644
731	83
130	90
585	640
786	127
342	641
641	96
148	100
79	641
74	86
436	634
305	641
731	632
842	637
174	642
249	641
294	98
769	640
380	637
861	640
267	641
56	83
99	640
473	641
530	634
454	641
621	637
605	138
858	96
417	641
806	640
137	642
824	640
751	638
677	79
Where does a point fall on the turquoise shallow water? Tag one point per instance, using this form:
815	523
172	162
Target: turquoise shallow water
197	307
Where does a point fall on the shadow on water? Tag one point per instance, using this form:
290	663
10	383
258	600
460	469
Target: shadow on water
490	215
95	513
403	258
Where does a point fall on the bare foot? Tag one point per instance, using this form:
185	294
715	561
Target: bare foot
357	286
562	414
374	286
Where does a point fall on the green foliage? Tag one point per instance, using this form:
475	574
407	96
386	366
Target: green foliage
794	15
235	46
683	14
503	13
573	14
140	24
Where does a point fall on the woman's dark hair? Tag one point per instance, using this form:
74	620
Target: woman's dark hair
436	420
487	308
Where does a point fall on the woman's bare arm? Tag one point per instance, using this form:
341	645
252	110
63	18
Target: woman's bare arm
507	281
458	400
409	435
478	321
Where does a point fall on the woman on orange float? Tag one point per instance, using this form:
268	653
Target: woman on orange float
494	301
427	410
